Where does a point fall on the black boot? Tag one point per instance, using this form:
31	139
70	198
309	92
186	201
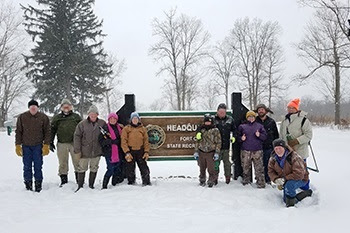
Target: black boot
202	183
76	177
38	186
92	178
116	180
64	180
29	185
81	178
105	182
306	193
290	201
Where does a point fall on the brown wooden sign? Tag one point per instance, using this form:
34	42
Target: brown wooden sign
173	135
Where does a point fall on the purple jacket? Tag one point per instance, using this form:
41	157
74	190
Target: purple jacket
252	142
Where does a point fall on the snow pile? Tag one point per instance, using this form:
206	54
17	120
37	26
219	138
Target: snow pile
176	204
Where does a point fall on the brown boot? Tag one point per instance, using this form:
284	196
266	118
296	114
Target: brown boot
228	179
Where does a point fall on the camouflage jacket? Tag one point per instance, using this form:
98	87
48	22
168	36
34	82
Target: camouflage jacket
210	141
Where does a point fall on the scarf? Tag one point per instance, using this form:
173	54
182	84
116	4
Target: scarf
115	148
282	160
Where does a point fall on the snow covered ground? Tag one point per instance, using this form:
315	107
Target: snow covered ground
176	204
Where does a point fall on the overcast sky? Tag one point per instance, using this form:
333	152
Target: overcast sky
127	24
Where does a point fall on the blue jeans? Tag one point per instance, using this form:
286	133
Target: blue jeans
307	185
32	155
291	186
113	169
266	157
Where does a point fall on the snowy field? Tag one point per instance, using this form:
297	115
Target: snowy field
176	204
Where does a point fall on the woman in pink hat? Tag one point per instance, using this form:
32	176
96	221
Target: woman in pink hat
110	142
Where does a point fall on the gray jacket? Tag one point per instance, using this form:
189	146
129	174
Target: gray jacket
86	138
296	131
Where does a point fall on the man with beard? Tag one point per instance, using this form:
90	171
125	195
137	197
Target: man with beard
64	124
272	134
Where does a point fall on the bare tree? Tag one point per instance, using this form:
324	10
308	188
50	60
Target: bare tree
209	96
325	45
252	41
222	66
13	82
181	47
112	95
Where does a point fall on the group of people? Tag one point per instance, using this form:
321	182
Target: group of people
85	141
277	156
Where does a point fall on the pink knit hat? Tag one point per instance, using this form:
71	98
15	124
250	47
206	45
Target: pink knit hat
114	115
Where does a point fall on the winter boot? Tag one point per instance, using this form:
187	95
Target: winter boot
92	178
202	183
116	180
38	186
105	182
29	185
306	193
81	178
210	184
76	177
64	180
290	201
228	179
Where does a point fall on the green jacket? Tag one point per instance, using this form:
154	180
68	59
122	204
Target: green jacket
64	126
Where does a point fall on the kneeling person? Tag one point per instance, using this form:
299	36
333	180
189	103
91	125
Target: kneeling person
288	170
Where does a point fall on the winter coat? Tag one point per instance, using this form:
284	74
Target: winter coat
86	138
106	143
271	131
32	130
252	142
210	141
135	138
64	126
226	126
293	126
294	168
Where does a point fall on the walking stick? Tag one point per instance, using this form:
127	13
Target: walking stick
313	156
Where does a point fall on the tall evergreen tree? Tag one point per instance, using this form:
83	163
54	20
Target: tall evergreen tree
68	60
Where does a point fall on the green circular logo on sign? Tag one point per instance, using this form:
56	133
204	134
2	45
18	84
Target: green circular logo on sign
156	136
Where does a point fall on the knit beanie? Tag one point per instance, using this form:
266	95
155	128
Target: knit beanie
250	113
294	104
33	102
93	109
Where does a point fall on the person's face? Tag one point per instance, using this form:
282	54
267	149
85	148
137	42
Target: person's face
251	119
261	112
279	150
33	109
93	116
207	123
66	108
112	121
135	120
291	110
221	113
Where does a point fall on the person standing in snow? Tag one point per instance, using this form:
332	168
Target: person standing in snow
288	171
207	150
87	146
226	126
136	147
32	143
252	135
64	124
110	141
296	130
270	127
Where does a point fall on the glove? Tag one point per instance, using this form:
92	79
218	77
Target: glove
46	149
233	140
279	181
293	142
216	156
128	157
145	156
19	151
199	136
52	147
196	155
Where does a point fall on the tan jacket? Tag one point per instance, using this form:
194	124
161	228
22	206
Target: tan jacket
86	138
135	138
294	168
33	130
